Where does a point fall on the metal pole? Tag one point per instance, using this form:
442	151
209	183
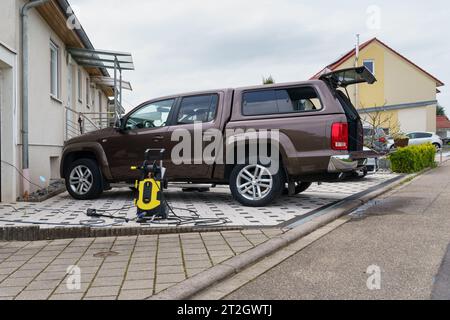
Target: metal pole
115	88
356	65
120	72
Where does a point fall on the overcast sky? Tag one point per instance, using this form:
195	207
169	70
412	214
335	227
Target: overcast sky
186	45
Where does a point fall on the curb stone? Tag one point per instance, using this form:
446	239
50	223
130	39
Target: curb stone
36	233
189	287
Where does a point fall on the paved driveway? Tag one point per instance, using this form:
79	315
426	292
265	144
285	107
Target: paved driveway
62	210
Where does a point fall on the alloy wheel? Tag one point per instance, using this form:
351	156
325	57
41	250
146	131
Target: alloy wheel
254	182
81	180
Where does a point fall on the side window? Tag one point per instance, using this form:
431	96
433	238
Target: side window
422	135
411	136
153	115
198	109
298	100
291	100
259	103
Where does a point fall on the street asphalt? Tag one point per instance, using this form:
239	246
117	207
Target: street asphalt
404	234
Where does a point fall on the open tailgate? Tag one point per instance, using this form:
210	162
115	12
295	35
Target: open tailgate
345	77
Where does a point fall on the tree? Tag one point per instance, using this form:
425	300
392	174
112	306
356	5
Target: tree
440	111
268	80
380	119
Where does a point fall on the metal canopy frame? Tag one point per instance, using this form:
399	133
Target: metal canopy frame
119	61
109	82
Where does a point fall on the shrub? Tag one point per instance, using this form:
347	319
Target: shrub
413	158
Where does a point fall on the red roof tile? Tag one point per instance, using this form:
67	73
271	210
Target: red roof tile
442	122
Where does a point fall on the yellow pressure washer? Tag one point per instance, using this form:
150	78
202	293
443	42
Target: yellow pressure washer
149	199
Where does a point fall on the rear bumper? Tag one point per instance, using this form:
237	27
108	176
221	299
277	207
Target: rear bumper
352	161
343	163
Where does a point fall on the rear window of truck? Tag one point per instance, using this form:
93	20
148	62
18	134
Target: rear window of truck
280	101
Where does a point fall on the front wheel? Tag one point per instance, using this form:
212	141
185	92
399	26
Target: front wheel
84	179
255	186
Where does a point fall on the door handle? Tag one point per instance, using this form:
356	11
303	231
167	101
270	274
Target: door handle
158	138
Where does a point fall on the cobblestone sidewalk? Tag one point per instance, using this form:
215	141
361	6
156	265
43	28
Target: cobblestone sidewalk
115	268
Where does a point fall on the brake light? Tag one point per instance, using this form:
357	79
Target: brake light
382	140
339	136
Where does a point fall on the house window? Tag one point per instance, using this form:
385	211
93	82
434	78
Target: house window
80	86
88	93
370	64
54	70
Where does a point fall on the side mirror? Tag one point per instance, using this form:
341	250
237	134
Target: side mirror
120	124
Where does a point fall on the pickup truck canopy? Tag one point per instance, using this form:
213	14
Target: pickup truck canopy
345	77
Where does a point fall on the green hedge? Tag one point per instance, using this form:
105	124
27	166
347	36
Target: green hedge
413	158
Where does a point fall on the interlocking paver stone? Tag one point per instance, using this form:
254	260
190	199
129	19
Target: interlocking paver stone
103	291
169	269
170	262
10	291
170	278
42	285
107	281
135	294
137	284
141	275
198	264
68	296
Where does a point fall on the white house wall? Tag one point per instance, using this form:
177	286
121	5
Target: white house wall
47	116
8	115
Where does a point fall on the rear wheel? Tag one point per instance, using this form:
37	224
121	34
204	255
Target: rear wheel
254	186
84	179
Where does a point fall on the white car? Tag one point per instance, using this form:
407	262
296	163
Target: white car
418	138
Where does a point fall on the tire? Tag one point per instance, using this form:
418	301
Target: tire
91	186
356	175
300	187
437	146
260	191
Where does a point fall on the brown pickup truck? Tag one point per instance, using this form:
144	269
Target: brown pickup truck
319	137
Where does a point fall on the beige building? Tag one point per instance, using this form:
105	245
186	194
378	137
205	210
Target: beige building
58	91
405	95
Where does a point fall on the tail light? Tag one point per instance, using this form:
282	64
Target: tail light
382	140
339	136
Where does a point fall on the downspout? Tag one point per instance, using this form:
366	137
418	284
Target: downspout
25	73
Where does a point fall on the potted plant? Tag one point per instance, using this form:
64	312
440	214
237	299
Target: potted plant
400	140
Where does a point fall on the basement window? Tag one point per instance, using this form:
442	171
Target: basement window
54	70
